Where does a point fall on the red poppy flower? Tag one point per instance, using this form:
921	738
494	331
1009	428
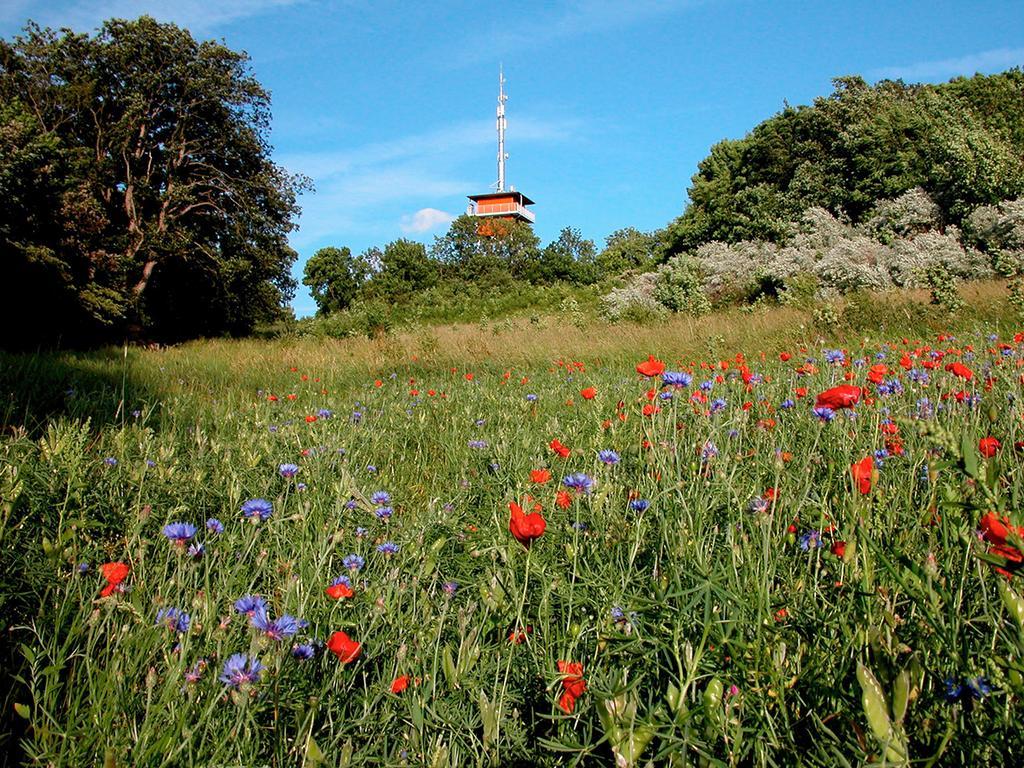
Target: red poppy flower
114	573
558	448
839	548
272	398
310	419
378	383
589	393
650	367
988	447
843	396
995	531
338	591
400	683
563	499
539	476
344	647
650	410
785	357
518	638
961	371
771	494
877	373
573	684
861	471
525	527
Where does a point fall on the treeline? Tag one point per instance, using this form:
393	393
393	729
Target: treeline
961	142
474	257
139	198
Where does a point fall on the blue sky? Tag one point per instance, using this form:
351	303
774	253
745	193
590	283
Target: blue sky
389	106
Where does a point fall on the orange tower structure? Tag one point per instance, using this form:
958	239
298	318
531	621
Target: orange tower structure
507	204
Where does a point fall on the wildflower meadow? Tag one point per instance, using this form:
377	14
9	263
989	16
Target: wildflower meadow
804	553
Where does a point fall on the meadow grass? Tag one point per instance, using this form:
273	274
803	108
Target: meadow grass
729	592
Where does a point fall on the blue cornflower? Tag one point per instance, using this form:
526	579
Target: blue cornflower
758	504
639	505
811	540
354	562
618	614
356	417
786	404
824	414
351	504
608	457
387	548
360	532
860	362
477	444
214	526
578	482
978	687
733	434
450	587
250	605
278	629
257	509
236	674
578	526
136	413
380	498
707	386
708	452
303	651
342	580
196	551
300	486
384	513
666	395
880	456
150	463
179	533
323	413
288	470
676	379
83	568
835	356
951	690
371	469
173	619
110	461
718	404
531	398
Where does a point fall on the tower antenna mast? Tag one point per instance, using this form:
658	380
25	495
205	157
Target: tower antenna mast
502	155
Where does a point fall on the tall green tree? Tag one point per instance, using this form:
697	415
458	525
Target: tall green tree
334	278
488	250
172	216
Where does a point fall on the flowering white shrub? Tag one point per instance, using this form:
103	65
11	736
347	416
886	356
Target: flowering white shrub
998	227
911	213
635	301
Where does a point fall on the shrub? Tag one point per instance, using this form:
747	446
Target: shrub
679	287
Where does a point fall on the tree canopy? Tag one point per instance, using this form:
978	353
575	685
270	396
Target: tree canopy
139	192
962	142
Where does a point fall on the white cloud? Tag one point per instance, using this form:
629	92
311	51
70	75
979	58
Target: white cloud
199	16
995	60
425	220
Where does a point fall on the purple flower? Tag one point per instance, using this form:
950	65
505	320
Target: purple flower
354	563
288	470
110	461
196	551
608	457
173	619
811	540
257	509
477	444
380	498
676	379
387	548
824	414
384	513
303	651
531	398
360	532
323	413
215	526
179	533
236	673
578	482
450	587
718	404
278	629
250	605
639	505
708	452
